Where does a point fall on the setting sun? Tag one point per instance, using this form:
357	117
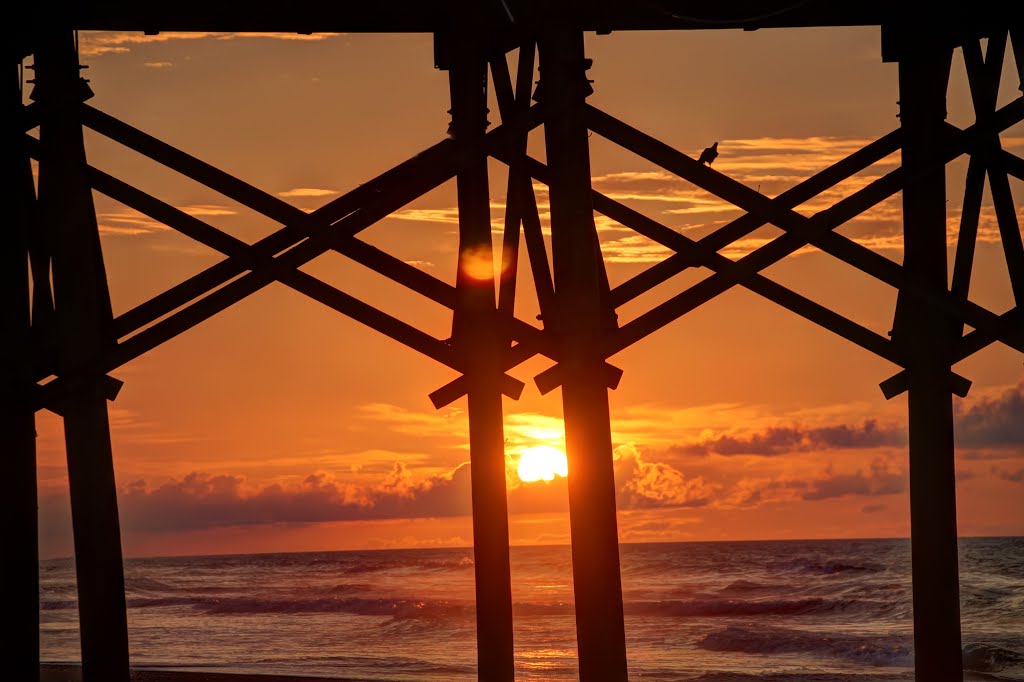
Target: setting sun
542	462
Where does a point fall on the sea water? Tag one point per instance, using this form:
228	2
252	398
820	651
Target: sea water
783	611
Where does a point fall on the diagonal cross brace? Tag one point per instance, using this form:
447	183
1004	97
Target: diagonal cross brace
297	279
370	256
747	223
698	253
297	224
523	207
983	75
294	278
242	257
381	197
802	230
401	272
701	255
818	229
304	283
377	207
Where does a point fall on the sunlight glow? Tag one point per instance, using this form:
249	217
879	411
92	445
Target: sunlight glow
478	264
542	462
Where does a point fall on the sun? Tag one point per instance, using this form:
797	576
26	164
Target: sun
542	462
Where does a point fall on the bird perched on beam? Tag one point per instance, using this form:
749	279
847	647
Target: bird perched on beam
709	154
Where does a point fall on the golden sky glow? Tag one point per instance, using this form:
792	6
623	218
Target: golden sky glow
281	425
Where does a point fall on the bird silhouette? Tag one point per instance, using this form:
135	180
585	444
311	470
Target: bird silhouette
709	154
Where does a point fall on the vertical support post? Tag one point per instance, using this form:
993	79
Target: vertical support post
83	321
925	336
19	566
477	337
600	630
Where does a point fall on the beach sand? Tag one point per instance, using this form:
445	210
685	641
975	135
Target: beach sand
73	673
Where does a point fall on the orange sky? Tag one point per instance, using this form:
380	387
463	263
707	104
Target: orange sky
281	425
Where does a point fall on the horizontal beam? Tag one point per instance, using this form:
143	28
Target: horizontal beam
428	16
57	399
1009	324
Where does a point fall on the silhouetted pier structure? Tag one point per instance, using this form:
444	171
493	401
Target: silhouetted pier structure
64	343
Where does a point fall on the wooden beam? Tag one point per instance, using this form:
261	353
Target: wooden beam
84	322
1009	229
510	103
1012	164
967	238
983	75
521	189
924	332
478	337
579	325
522	201
19	559
423	16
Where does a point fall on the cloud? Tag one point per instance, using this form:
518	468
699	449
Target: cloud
1006	475
127	223
642	484
307	192
780	440
98	43
207	210
993	422
634	248
158	65
429	215
199	500
202	501
449	422
881	479
753	492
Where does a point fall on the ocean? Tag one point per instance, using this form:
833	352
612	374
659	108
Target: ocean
781	611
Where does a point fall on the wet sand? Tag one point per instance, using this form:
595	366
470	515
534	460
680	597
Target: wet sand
73	673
